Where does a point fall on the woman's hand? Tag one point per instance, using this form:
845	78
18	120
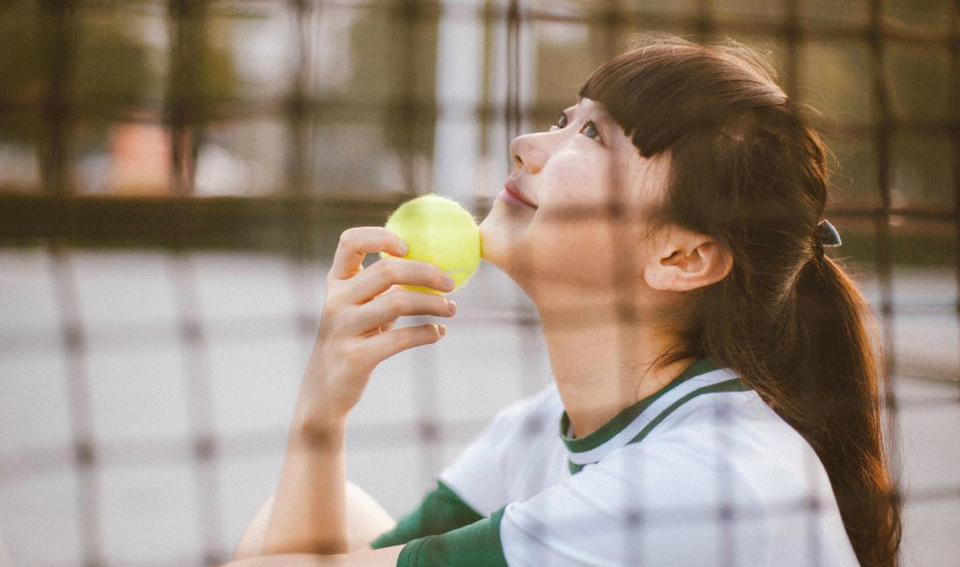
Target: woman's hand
356	323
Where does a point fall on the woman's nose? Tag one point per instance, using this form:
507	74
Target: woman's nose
528	153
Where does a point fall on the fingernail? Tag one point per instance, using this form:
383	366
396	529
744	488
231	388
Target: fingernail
451	307
442	329
449	281
404	248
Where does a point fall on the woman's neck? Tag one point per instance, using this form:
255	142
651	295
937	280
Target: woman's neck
603	364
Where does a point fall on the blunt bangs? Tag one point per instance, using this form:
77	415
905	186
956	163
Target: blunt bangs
663	92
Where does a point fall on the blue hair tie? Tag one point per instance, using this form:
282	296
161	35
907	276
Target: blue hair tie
827	235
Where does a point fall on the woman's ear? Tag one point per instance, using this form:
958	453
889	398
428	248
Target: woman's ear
681	260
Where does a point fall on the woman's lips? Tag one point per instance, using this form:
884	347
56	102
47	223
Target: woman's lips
512	195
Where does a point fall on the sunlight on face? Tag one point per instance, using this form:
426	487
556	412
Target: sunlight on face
553	223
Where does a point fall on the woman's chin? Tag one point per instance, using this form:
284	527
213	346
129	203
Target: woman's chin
498	242
489	241
504	222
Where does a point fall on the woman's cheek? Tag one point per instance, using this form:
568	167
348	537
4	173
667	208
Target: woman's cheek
580	252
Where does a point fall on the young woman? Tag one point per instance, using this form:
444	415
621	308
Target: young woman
716	390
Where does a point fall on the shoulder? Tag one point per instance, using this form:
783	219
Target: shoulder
489	469
734	437
731	457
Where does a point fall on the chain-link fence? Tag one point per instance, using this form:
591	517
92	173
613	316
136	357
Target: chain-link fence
168	167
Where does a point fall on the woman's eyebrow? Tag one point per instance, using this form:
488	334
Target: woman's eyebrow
597	114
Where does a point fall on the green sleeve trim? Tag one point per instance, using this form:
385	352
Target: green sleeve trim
441	511
476	545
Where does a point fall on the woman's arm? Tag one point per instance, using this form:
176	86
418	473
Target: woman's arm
251	542
386	557
356	334
309	511
366	520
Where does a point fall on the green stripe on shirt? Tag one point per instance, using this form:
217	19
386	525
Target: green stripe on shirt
627	416
734	385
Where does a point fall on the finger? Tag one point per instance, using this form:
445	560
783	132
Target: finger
387	272
400	302
377	330
389	324
382	328
355	243
385	345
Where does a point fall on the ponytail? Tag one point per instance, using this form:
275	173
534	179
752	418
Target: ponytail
814	363
840	374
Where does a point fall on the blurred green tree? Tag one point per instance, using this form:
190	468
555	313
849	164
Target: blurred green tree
90	68
394	68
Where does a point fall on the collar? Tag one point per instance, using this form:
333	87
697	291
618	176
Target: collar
633	424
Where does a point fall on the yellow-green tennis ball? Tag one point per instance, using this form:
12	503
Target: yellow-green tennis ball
439	231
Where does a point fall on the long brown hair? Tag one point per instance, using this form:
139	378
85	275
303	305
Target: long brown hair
747	170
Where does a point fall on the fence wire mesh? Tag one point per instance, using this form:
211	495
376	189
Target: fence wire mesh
192	142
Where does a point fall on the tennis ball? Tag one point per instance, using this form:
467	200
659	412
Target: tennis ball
439	231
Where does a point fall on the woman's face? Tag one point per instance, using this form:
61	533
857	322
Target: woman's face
565	232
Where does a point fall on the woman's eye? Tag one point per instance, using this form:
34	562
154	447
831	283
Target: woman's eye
590	130
562	121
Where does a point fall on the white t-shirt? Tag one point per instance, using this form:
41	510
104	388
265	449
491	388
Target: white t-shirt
702	473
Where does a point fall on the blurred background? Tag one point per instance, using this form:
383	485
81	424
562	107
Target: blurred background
174	176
